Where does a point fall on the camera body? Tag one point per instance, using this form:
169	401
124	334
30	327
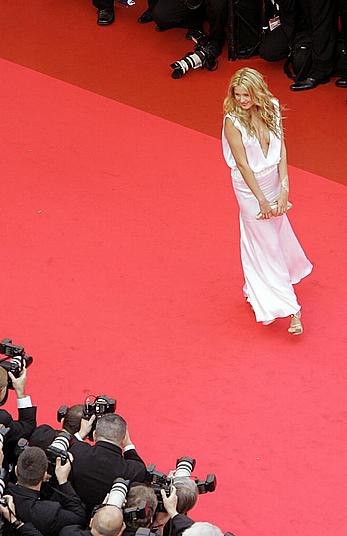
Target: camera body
158	481
15	358
101	406
130	515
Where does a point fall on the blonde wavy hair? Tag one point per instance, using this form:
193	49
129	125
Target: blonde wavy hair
252	82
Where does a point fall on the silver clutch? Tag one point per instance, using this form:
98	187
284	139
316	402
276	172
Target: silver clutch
274	206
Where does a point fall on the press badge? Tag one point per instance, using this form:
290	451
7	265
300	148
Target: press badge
274	23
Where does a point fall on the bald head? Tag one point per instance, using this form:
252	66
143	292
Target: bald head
108	521
203	529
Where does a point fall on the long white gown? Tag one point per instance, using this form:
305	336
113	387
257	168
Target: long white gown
272	258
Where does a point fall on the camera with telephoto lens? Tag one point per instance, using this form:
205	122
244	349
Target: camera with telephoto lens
118	492
14	361
117	497
58	449
204	56
184	468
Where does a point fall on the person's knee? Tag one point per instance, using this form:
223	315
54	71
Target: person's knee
270	54
167	15
274	49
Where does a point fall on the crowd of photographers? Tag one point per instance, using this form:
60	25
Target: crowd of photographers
311	33
87	477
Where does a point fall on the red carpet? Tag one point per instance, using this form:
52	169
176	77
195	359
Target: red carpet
129	62
121	274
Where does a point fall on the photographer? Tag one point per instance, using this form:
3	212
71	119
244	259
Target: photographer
96	467
137	497
191	14
26	412
107	518
179	522
185	496
49	517
107	521
73	423
204	529
287	19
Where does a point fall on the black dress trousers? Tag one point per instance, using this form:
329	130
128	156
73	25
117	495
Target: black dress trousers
320	15
103	4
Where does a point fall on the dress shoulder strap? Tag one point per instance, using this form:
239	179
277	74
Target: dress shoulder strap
234	120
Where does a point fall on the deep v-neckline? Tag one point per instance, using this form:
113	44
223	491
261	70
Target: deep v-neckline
268	147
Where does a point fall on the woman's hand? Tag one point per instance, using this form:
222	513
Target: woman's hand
282	203
265	209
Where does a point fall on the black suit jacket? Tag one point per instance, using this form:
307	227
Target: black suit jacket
27	529
177	525
49	517
23	427
95	467
74	530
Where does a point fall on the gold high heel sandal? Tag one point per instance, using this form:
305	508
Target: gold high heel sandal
296	327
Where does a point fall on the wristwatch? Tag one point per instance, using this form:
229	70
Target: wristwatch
17	524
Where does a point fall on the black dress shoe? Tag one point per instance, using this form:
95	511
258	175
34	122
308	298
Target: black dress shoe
145	17
105	16
309	83
341	82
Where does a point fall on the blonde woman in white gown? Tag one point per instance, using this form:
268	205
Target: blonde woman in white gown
254	149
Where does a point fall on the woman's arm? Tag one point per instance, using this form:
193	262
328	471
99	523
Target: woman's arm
283	173
234	138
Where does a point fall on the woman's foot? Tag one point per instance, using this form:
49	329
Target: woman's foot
296	327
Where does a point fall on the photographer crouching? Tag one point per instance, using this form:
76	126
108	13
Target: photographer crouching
192	14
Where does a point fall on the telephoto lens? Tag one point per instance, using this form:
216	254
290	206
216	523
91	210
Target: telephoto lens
3	432
58	449
184	467
3	476
118	492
